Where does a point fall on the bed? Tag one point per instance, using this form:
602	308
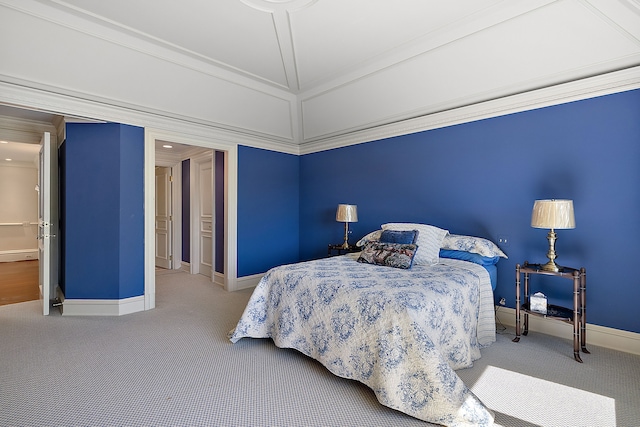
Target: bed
401	331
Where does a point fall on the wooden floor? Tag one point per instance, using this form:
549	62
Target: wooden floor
18	281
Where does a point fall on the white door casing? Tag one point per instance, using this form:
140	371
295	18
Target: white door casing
202	249
205	214
212	142
48	220
164	218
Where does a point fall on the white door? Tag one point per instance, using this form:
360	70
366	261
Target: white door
164	217
48	220
205	215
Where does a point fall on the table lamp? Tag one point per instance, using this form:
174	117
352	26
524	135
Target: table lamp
346	214
554	215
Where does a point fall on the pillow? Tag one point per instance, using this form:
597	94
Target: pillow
408	237
429	240
374	236
397	255
476	245
468	256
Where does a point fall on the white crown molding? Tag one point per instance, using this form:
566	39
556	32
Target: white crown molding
55	103
91	107
604	84
23	95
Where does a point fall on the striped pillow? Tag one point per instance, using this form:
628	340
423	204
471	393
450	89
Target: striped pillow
429	240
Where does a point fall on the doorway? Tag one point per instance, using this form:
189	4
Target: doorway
189	202
19	264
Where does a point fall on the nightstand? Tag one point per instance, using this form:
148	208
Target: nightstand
575	316
341	250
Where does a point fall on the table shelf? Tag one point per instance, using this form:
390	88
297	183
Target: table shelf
553	312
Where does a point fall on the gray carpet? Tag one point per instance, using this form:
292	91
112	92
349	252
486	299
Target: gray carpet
173	366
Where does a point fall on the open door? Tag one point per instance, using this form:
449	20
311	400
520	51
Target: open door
48	220
163	218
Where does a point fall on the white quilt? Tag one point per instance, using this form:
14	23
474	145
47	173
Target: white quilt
400	332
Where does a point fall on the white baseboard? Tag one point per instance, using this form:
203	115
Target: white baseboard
219	279
185	266
18	255
615	339
101	307
248	282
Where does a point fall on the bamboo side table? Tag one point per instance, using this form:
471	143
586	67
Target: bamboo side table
576	316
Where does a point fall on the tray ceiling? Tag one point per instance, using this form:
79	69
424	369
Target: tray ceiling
299	45
308	71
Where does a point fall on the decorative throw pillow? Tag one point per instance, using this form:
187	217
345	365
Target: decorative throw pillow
374	236
476	245
399	236
395	255
429	240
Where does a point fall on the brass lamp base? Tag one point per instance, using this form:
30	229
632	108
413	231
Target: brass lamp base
551	265
345	245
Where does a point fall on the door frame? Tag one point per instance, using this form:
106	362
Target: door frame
48	218
230	281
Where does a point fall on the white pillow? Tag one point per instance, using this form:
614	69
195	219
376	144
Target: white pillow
476	245
429	240
374	236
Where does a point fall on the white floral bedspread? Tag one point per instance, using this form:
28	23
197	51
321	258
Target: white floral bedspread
400	332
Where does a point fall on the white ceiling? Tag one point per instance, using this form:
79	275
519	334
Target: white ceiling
19	153
349	65
301	45
22	147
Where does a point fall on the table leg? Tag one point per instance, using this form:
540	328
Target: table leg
583	310
528	302
517	338
577	318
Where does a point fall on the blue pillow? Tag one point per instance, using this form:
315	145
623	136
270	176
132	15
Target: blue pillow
468	256
404	237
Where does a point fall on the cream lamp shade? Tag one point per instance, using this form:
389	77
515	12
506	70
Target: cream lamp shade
347	213
553	214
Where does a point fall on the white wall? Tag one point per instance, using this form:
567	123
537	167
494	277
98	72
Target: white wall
18	204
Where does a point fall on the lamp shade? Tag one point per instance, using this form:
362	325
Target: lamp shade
553	214
347	213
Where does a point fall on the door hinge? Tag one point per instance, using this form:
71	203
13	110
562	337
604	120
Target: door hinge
170	178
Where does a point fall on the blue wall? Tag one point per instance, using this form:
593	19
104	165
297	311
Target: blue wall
481	178
268	203
218	162
103	211
186	210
